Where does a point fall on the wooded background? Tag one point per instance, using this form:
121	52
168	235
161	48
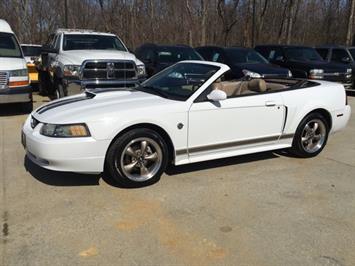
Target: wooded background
193	22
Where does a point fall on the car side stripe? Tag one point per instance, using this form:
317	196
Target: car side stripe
231	144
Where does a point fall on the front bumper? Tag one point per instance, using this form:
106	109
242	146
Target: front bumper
76	86
16	95
82	155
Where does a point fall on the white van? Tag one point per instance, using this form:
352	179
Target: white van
14	81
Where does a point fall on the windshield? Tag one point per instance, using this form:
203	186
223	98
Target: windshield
245	56
352	52
31	50
9	46
175	54
180	81
302	54
92	42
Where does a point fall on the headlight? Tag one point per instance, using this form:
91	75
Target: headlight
316	73
18	77
349	70
289	74
18	73
141	70
71	71
65	131
251	74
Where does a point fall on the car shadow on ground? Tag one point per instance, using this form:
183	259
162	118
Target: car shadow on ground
11	110
55	178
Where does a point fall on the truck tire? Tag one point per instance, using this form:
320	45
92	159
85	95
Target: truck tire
60	90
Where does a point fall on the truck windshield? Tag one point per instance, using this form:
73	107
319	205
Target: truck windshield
352	52
29	50
168	54
9	46
245	56
302	54
92	42
179	81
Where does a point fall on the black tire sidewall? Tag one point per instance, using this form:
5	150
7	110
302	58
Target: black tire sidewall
117	148
297	147
60	89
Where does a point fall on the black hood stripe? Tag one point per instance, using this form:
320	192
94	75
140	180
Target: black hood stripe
61	103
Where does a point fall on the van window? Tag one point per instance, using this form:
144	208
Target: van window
9	46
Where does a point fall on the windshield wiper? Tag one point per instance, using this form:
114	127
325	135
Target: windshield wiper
153	90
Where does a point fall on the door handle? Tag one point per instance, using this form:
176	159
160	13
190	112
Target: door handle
270	103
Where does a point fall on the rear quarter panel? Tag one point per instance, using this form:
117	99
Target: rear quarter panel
300	102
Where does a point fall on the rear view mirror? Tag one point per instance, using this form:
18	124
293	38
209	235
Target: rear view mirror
280	58
217	95
48	49
346	60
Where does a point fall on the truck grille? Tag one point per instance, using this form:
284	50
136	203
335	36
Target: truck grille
121	70
3	80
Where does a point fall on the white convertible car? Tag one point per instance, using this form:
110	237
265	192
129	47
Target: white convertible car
187	113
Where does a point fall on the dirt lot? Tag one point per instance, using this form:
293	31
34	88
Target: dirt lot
264	209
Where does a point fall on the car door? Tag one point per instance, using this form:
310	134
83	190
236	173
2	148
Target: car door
235	123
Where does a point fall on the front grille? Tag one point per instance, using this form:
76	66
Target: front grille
3	79
106	70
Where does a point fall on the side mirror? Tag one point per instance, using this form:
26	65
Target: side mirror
217	95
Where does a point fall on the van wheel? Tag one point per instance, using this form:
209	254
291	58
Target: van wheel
138	157
311	136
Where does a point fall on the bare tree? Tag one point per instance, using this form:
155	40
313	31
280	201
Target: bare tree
349	34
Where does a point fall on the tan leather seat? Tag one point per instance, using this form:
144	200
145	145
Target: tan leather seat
234	88
257	85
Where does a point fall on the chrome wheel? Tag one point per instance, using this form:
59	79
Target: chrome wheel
313	135
141	159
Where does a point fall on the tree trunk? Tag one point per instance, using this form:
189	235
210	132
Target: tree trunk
349	34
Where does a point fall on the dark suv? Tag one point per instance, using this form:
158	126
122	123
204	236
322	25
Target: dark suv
158	57
242	60
339	54
305	62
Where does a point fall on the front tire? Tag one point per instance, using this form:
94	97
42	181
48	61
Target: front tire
311	136
138	157
60	90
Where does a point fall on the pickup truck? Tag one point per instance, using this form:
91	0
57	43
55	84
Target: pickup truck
339	54
73	60
305	62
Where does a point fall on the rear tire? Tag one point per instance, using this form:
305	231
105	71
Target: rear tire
311	136
137	158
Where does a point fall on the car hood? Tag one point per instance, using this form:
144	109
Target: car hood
264	69
77	57
326	66
89	107
8	63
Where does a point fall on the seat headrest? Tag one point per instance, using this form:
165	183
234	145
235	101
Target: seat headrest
258	85
217	85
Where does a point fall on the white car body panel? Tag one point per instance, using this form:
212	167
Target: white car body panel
230	127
